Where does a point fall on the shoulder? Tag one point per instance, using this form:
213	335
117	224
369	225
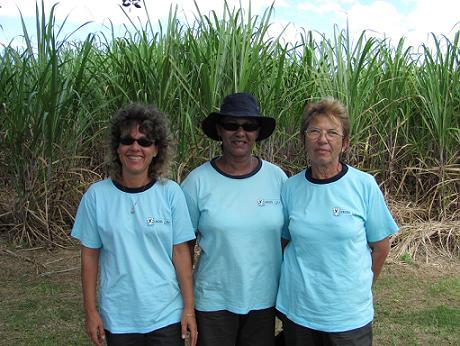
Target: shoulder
294	181
100	186
361	176
168	185
198	173
273	168
296	178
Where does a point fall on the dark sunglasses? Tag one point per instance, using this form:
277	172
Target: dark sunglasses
248	127
143	142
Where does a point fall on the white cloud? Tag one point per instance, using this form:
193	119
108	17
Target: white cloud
382	18
100	10
442	17
321	8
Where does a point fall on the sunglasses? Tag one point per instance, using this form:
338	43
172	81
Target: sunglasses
143	142
248	127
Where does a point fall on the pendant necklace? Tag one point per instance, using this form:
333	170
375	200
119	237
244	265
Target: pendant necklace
133	205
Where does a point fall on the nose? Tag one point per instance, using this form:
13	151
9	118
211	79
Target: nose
135	145
240	130
322	137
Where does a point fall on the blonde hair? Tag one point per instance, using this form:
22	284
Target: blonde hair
329	107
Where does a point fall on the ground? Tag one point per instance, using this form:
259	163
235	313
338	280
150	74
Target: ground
416	303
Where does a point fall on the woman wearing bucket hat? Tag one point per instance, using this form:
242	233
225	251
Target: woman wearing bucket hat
234	204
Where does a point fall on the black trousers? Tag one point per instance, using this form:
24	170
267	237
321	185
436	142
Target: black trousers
166	336
297	335
224	328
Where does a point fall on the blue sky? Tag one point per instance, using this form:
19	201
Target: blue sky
413	19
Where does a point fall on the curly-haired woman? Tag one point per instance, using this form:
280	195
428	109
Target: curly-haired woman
134	228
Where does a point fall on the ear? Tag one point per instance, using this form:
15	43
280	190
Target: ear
219	131
155	151
345	144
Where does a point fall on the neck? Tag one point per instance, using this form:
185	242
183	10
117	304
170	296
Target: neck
326	172
237	165
133	181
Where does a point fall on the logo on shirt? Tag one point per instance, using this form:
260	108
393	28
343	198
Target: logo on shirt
152	221
337	212
264	202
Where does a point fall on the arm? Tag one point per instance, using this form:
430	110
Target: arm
284	243
380	250
182	264
89	270
191	245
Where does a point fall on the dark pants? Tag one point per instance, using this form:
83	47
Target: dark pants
297	335
224	328
166	336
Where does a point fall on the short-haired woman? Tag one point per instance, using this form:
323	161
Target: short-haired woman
337	231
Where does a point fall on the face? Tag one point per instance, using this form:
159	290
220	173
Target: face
324	151
135	159
238	135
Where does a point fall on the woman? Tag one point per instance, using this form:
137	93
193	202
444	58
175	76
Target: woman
338	227
134	229
234	203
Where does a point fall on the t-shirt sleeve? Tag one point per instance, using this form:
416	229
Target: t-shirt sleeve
190	192
85	226
182	226
379	222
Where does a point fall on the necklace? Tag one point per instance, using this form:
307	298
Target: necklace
230	169
133	206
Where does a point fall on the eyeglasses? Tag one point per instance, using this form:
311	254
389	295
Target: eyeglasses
248	127
314	133
143	142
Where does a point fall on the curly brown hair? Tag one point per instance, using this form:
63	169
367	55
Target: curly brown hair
154	124
327	106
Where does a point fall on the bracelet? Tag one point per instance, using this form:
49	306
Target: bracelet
189	315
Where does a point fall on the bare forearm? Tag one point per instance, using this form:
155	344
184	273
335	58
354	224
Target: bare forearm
89	270
183	265
379	253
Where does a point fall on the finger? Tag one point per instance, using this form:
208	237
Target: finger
193	338
184	329
101	335
93	336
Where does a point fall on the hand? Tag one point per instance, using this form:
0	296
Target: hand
95	328
188	324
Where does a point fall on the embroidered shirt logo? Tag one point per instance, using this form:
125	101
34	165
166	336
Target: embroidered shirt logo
337	212
151	221
264	202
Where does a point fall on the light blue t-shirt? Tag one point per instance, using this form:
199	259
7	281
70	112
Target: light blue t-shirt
239	222
135	231
326	274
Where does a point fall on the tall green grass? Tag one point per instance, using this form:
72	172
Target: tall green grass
57	94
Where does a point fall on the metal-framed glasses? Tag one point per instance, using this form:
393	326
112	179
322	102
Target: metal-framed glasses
143	142
314	133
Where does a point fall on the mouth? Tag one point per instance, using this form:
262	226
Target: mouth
239	142
135	158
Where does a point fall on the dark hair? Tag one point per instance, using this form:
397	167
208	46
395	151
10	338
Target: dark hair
327	106
152	123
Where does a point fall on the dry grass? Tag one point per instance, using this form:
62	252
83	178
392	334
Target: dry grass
420	238
426	240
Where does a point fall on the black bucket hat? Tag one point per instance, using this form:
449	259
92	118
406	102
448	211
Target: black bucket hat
238	105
